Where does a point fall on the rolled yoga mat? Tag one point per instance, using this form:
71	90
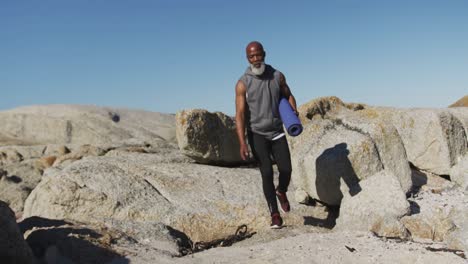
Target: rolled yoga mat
290	120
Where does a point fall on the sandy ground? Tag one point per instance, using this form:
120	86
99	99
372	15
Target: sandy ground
330	247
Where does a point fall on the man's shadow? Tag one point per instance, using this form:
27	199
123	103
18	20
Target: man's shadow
332	166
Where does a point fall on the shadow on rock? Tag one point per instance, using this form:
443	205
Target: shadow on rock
36	221
331	166
57	241
329	222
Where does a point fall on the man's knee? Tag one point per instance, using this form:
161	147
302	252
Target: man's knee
285	170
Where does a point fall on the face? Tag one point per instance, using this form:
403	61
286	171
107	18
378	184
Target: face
255	55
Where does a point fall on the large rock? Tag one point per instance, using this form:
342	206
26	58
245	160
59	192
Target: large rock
63	242
329	160
459	173
205	202
377	208
17	181
341	145
461	113
434	139
323	107
208	138
458	238
13	248
439	217
74	124
385	136
462	102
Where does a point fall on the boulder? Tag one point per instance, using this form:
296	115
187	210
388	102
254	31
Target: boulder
204	202
17	181
461	113
329	160
378	207
439	217
431	225
433	138
459	173
208	138
63	242
323	107
341	145
462	102
77	124
385	136
13	248
458	238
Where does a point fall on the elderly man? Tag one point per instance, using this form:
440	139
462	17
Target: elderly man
258	93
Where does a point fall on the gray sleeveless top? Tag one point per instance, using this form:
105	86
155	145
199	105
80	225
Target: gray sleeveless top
263	95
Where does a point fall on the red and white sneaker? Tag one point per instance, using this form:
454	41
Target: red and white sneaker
276	221
283	200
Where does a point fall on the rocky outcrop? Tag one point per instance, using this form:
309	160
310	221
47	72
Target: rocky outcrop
342	145
13	248
63	242
458	238
75	124
208	138
204	202
17	181
378	207
459	173
462	102
439	217
461	113
330	160
434	139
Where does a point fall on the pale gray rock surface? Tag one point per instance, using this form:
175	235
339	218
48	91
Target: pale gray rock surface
13	248
439	217
341	145
459	173
204	202
69	242
17	182
458	238
461	113
378	207
79	124
434	139
329	160
388	142
208	138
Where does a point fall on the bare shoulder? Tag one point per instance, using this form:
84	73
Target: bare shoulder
240	87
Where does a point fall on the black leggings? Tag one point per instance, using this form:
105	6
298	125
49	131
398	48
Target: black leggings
263	149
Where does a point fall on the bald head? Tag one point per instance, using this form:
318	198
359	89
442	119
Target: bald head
254	45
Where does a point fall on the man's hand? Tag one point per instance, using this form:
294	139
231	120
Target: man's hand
244	151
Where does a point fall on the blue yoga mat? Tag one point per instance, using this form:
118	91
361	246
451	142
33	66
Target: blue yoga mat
290	120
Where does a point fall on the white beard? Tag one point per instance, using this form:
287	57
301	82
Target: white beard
257	71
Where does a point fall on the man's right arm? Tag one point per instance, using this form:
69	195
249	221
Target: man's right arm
240	119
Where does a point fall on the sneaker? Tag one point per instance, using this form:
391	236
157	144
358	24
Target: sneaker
283	199
276	221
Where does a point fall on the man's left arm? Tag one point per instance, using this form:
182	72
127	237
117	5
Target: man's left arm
286	92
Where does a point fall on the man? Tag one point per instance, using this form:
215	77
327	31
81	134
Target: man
258	93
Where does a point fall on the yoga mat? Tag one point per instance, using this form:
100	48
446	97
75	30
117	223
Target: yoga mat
290	120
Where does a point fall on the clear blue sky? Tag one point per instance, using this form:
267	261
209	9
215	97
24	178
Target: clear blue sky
169	55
